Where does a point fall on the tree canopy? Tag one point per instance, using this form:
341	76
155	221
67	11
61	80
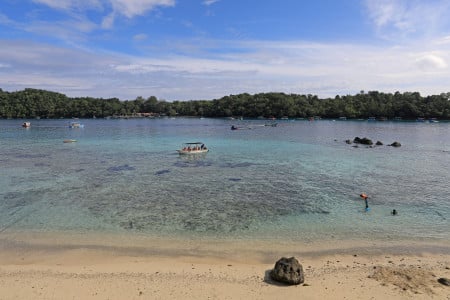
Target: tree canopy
32	103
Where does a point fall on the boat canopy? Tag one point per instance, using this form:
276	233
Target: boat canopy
194	143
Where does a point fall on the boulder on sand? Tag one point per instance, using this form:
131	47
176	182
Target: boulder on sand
288	270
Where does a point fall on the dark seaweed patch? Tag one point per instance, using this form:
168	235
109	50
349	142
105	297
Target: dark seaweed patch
162	172
121	168
234	179
192	164
41	165
238	165
31	155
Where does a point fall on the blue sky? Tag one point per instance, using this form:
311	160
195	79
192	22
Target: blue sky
206	49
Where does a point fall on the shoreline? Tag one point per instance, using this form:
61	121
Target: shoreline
257	250
47	266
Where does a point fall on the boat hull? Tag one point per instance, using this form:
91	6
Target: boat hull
192	152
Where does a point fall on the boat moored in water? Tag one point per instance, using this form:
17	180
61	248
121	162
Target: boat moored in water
193	148
76	125
26	125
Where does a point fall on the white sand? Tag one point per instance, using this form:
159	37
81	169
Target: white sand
44	266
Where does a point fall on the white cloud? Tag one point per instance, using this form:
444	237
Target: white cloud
108	21
134	8
325	69
395	19
140	37
429	62
71	4
209	2
127	8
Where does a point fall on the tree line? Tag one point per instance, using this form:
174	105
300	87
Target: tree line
33	103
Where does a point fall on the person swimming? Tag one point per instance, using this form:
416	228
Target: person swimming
394	212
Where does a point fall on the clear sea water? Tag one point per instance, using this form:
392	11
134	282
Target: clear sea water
298	180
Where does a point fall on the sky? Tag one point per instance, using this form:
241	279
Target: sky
207	49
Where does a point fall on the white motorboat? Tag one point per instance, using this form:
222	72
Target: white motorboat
193	148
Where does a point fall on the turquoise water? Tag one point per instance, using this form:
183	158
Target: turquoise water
298	180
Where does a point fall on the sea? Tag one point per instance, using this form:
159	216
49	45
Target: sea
298	180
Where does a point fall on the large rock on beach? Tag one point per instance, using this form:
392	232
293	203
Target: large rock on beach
288	270
395	144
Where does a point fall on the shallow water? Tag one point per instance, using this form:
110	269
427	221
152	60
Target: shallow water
297	181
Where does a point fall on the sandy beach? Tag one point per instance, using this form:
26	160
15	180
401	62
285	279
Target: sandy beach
40	266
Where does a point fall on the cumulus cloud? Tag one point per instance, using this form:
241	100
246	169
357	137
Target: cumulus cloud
429	62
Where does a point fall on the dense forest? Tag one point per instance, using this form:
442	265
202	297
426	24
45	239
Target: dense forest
34	103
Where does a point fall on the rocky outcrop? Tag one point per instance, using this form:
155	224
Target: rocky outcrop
288	271
379	143
395	144
363	141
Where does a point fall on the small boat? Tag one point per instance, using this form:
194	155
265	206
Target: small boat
69	141
26	124
433	120
76	125
193	148
272	124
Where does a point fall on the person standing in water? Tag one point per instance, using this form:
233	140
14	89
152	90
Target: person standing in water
365	197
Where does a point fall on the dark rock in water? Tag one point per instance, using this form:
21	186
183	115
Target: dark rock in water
288	270
234	179
395	144
162	172
444	281
378	143
364	141
348	141
121	168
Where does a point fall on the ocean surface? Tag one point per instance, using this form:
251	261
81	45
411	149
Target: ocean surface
298	180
